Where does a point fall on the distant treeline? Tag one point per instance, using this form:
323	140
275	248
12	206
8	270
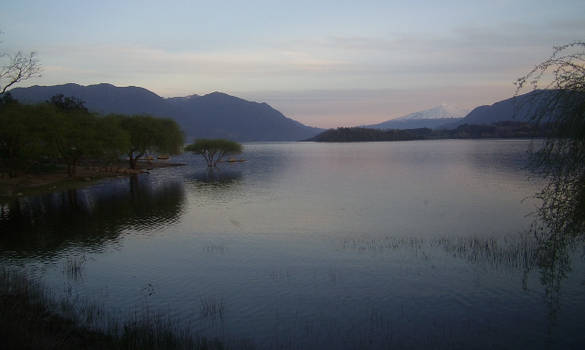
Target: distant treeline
507	129
62	132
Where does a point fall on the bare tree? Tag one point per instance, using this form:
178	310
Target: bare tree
16	68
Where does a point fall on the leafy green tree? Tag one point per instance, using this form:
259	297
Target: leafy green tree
62	129
6	99
21	142
112	140
73	135
76	134
68	103
213	150
170	136
150	134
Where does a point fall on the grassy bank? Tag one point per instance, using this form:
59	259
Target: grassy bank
30	319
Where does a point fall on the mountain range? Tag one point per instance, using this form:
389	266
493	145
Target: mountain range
219	115
519	108
215	115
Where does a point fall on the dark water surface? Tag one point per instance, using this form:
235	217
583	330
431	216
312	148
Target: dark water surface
422	244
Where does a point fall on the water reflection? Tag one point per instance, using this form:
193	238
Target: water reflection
214	186
88	217
491	157
560	220
554	260
216	178
406	245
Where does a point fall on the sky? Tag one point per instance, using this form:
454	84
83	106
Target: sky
323	63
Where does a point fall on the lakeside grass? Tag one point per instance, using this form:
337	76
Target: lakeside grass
31	319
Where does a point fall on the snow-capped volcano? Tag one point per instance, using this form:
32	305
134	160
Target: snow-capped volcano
429	118
442	111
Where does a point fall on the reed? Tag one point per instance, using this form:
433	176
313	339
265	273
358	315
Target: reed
31	319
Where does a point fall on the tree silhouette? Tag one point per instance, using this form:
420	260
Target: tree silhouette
16	68
559	84
213	150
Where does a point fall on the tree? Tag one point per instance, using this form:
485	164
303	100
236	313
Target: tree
21	143
213	150
112	142
150	134
6	100
559	84
170	137
75	134
16	68
68	103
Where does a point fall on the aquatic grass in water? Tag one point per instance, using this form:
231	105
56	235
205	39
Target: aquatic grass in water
74	267
31	319
212	308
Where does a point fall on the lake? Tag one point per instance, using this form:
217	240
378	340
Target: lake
420	244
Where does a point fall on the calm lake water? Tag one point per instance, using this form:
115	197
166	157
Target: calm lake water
421	244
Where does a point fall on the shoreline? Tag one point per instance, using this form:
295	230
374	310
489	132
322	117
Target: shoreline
36	184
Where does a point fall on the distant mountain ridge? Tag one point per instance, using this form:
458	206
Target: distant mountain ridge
519	108
429	118
211	116
221	115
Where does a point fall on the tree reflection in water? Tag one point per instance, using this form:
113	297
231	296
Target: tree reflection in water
90	217
214	186
215	178
558	233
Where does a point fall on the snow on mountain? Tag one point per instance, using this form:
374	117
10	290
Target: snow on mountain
429	118
440	112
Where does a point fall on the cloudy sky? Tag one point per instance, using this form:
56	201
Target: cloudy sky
324	63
